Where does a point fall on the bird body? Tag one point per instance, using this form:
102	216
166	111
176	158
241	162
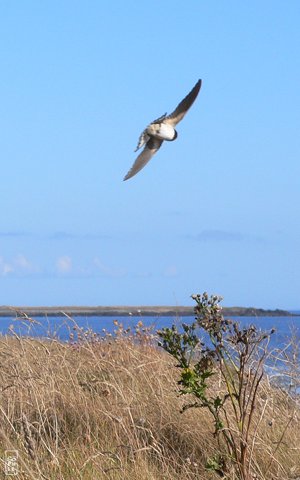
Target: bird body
163	131
163	128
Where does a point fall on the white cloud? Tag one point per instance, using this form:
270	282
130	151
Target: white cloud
64	264
22	263
19	265
5	267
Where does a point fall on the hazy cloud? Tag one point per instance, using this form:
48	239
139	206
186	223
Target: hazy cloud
70	236
107	270
225	236
64	264
5	267
175	213
21	262
60	235
170	271
219	236
14	234
19	265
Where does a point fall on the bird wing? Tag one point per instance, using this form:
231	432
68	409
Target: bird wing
183	106
144	137
150	149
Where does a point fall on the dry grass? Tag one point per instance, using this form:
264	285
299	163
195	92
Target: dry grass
110	410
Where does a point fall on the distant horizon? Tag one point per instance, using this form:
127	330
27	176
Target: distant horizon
119	305
131	310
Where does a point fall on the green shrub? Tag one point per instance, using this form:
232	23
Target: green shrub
234	357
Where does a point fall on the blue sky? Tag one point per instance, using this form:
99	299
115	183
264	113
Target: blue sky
217	210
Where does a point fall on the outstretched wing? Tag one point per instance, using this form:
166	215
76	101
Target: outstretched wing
150	149
159	119
183	106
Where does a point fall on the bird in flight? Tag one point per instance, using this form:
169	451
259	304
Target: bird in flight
163	128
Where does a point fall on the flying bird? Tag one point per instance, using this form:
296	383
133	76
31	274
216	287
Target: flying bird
161	129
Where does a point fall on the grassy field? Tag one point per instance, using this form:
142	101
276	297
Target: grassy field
109	409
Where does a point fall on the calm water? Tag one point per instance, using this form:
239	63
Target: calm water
62	327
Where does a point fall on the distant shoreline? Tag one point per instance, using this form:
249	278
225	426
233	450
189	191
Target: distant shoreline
136	311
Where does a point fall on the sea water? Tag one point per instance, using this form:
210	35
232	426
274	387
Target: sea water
62	327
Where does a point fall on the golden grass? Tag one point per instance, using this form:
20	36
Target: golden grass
110	410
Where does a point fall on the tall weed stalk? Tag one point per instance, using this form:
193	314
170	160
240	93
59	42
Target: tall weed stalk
232	359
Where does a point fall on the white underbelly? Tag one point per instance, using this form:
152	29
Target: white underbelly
163	131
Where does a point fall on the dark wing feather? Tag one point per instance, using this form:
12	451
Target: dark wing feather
150	149
183	106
